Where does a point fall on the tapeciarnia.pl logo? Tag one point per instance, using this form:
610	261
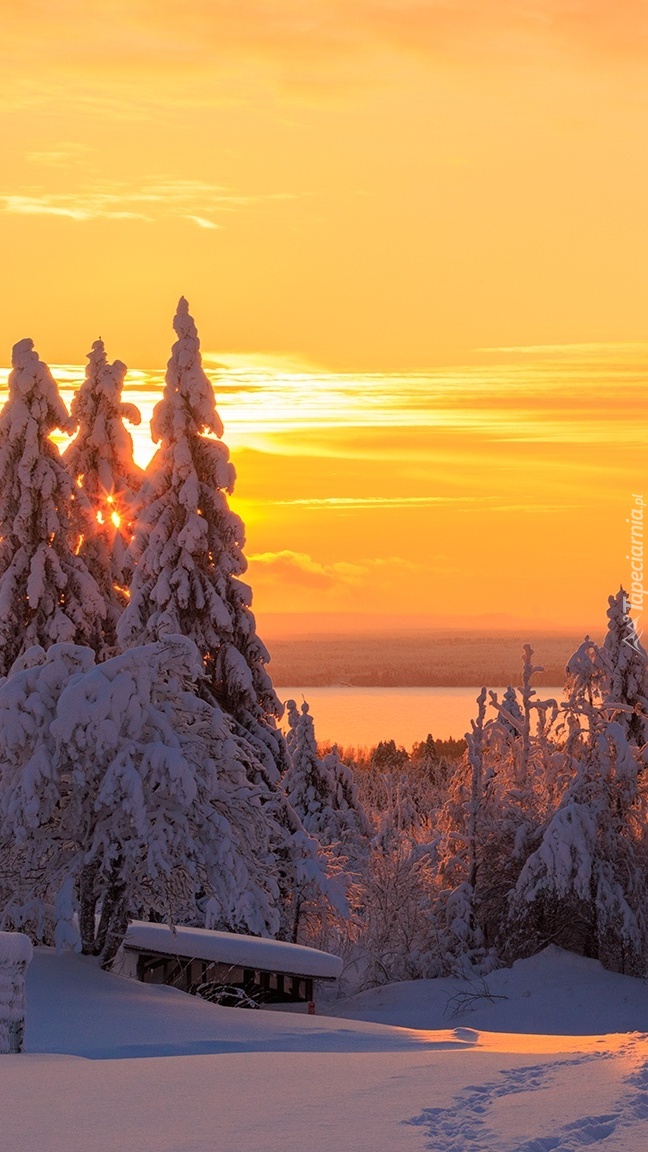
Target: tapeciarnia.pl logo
636	558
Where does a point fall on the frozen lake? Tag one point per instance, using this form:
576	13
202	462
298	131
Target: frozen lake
363	716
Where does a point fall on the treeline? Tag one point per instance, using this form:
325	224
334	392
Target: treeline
428	659
538	834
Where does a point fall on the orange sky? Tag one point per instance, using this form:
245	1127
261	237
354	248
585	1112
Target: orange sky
360	186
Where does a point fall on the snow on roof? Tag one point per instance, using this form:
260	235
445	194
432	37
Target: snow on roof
230	948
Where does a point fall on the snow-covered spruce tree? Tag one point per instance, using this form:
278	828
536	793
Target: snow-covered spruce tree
187	557
428	764
30	868
512	738
120	778
626	671
466	823
100	459
510	717
47	594
187	552
585	885
401	813
322	790
387	757
497	802
586	675
354	822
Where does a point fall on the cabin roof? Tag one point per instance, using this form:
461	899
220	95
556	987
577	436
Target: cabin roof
230	948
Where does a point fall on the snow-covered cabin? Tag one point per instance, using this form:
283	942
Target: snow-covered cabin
271	970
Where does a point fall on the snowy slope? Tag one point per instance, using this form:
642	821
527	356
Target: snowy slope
554	992
75	1008
268	1082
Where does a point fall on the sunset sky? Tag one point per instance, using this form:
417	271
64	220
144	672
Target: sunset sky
414	235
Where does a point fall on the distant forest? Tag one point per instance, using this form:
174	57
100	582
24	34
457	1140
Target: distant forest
427	660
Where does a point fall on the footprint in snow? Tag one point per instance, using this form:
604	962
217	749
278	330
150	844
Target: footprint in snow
636	1104
582	1133
463	1125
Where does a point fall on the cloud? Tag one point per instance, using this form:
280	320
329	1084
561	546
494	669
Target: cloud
261	368
202	223
301	569
348	502
296	36
295	568
63	156
72	208
609	349
156	200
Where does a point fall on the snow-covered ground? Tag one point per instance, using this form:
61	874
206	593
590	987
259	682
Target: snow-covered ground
555	992
113	1066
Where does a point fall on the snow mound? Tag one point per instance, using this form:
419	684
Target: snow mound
76	1009
15	948
553	993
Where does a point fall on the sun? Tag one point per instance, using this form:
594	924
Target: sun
109	514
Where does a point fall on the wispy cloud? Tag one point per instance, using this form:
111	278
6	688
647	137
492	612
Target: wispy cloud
300	568
64	155
539	399
201	222
264	365
347	502
68	207
191	200
610	349
162	35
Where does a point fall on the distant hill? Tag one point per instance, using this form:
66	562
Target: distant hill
416	658
281	625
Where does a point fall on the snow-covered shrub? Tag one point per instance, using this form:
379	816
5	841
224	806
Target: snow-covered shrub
391	935
119	776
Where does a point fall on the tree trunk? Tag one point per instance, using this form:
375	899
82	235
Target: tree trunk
87	908
115	933
114	918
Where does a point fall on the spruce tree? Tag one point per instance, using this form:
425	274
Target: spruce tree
47	594
586	675
187	552
584	886
322	790
100	459
354	822
510	716
626	671
187	559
